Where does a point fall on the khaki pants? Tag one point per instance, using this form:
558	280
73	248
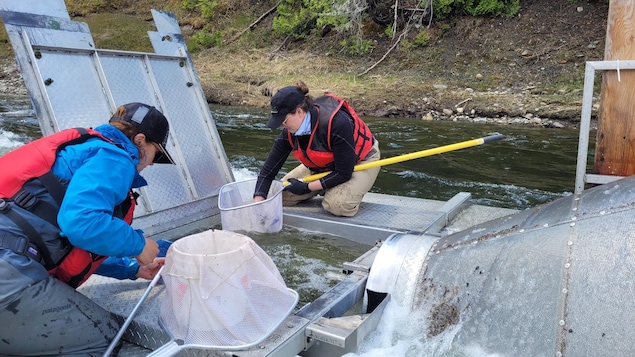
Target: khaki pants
341	200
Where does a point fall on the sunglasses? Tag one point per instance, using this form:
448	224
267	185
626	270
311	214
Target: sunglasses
159	153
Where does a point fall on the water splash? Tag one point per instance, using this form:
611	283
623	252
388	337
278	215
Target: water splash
402	333
10	141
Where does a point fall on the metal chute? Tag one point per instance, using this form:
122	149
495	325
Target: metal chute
553	280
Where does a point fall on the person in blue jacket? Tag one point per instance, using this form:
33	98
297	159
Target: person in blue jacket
66	206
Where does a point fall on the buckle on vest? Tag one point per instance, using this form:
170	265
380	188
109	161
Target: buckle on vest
4	206
25	199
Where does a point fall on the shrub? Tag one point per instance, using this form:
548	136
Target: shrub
443	8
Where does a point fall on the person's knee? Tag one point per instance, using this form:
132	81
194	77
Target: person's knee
344	209
289	199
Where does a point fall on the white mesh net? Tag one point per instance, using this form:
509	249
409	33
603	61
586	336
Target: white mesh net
239	212
222	291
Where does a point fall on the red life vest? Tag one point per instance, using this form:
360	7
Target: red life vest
30	165
318	155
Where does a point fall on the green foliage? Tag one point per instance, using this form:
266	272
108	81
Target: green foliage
292	19
422	39
204	39
189	4
388	31
327	13
300	17
357	47
443	8
205	7
405	45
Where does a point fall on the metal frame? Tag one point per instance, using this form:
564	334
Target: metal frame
581	176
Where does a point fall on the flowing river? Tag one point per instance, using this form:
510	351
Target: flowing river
528	167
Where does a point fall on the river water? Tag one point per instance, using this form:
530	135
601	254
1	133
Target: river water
528	167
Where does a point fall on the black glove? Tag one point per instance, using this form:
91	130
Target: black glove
297	187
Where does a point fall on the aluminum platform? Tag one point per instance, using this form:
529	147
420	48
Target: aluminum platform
383	215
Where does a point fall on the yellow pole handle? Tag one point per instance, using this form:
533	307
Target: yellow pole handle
411	156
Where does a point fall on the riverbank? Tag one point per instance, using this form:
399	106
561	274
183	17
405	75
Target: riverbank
11	84
527	70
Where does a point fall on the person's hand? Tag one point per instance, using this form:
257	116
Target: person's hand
258	199
149	252
148	271
297	187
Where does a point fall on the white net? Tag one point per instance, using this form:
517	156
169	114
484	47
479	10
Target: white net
239	212
222	291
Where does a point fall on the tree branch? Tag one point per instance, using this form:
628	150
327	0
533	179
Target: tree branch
253	24
401	36
295	29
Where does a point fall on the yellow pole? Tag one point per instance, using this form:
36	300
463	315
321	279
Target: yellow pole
411	156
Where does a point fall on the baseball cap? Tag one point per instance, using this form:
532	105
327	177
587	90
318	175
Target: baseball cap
285	101
152	123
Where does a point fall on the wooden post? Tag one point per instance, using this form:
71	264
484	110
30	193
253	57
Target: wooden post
615	144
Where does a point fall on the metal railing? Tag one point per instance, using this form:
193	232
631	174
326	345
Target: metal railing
582	177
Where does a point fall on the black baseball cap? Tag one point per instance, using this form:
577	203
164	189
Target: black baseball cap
285	101
150	122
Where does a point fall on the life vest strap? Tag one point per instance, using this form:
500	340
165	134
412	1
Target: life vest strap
53	186
28	201
25	248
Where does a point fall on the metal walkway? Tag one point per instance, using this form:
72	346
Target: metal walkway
383	215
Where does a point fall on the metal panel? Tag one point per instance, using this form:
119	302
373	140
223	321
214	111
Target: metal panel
505	292
130	80
53	7
600	287
71	84
180	95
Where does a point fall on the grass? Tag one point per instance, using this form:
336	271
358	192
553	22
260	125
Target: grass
120	31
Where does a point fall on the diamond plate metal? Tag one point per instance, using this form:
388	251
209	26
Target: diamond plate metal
120	297
398	214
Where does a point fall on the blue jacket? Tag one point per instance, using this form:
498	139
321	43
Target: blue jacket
101	175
